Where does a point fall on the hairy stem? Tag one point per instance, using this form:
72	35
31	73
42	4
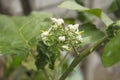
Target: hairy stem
80	57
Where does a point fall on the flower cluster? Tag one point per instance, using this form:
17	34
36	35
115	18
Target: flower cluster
61	36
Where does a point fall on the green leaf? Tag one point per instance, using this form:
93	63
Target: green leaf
32	25
21	32
29	63
97	12
19	57
42	57
69	21
114	6
91	33
113	29
73	6
80	2
46	56
18	35
111	52
9	36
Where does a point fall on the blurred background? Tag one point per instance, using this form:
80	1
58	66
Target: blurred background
91	68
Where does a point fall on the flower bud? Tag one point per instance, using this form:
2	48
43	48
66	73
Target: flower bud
65	47
73	27
58	21
79	38
44	35
61	38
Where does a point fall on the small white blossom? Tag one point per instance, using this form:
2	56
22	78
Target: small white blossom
58	21
61	38
71	26
44	38
65	47
79	38
44	35
74	27
54	19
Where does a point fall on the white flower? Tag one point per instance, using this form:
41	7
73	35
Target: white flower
71	26
79	38
44	35
54	19
74	27
58	21
61	38
65	47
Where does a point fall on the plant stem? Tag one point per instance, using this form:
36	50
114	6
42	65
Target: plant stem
75	50
63	60
46	75
55	76
80	57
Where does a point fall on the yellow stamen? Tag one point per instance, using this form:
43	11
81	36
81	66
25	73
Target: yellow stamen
81	32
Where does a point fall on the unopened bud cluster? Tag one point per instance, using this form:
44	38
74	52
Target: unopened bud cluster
62	37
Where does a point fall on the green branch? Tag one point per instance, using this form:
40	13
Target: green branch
80	57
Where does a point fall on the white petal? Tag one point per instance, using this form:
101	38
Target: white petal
58	21
61	38
73	27
44	34
54	19
65	47
79	38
